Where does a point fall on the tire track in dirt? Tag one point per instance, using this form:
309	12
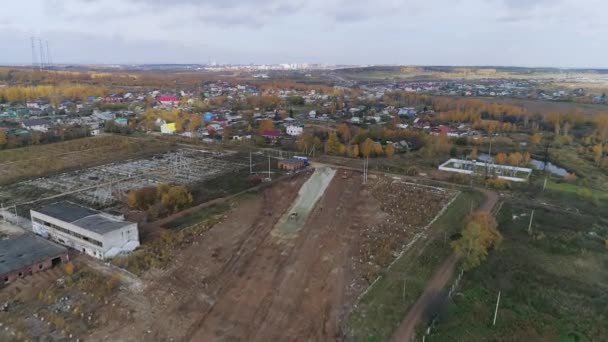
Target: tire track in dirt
242	257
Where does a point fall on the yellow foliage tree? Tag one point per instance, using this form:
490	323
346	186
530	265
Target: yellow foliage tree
598	152
333	145
353	151
554	118
265	125
367	147
536	138
389	151
3	139
474	154
378	151
515	158
480	234
176	198
501	158
601	121
344	132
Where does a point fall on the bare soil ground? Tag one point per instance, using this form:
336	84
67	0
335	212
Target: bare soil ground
242	281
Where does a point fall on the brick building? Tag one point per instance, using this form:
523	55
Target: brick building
26	255
292	164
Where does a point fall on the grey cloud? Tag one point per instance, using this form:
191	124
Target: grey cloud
527	4
73	47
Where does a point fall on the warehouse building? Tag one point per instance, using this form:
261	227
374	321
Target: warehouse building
92	232
28	254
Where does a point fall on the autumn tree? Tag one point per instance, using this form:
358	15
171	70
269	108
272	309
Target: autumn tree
265	125
142	199
195	123
555	119
3	139
601	120
333	145
344	132
438	145
378	151
479	236
307	142
176	198
526	158
389	151
536	138
353	151
501	158
474	154
515	158
598	153
367	147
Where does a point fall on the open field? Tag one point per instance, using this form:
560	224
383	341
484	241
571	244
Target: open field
41	160
241	280
553	282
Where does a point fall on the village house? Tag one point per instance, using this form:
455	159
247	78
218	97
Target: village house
294	131
39	125
272	135
168	128
168	100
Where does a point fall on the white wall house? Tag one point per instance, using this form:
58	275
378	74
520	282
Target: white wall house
294	131
39	125
89	231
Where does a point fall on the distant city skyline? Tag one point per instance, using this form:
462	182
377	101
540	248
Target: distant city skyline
527	33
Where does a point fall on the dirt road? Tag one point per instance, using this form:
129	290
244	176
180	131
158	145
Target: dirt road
443	275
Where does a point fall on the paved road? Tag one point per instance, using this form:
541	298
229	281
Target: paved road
441	278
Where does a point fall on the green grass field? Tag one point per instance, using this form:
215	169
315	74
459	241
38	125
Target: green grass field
553	282
574	189
381	310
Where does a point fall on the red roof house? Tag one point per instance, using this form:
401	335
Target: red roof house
168	100
272	135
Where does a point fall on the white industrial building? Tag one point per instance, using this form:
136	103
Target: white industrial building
92	232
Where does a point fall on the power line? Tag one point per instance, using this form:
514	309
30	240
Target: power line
48	54
34	56
42	58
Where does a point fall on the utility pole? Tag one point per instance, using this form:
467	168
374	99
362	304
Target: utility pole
268	166
496	310
42	59
530	225
48	54
34	57
545	184
546	156
365	168
250	164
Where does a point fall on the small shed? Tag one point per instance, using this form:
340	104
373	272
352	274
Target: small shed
292	164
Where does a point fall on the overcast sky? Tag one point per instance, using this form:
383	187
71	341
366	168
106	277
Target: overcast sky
562	33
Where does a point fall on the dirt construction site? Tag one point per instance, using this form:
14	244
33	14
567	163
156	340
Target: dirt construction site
251	278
